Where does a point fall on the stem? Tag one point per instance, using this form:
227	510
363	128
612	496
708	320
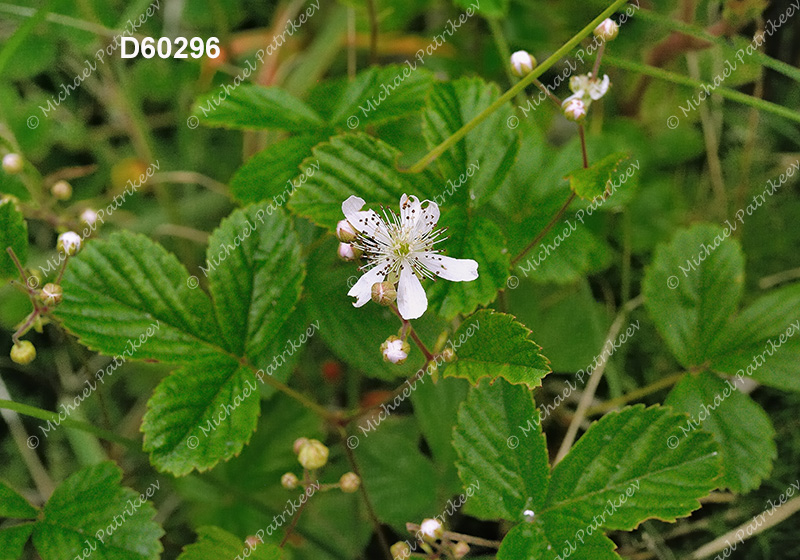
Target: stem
20	269
553	98
546	229
582	134
502	47
508	95
594	382
596	68
293	523
26	326
414	528
635	395
414	336
296	395
46	415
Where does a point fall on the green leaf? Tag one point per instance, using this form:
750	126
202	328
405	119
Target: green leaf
593	181
251	107
202	413
15	506
495	345
762	341
553	538
477	165
213	542
353	164
255	277
270	174
118	288
14	234
13	539
691	289
91	512
627	454
742	429
477	238
374	96
511	472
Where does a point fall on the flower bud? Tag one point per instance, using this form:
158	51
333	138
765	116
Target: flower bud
395	350
89	217
51	294
289	481
61	190
70	243
384	293
607	30
313	455
460	549
345	232
348	253
23	353
522	63
252	541
349	482
432	530
574	109
12	163
298	444
449	355
400	551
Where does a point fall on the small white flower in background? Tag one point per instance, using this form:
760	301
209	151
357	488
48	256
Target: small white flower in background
395	350
89	217
607	30
431	529
61	190
70	243
522	63
400	250
12	163
289	481
574	109
349	482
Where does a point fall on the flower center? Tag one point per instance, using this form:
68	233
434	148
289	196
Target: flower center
403	249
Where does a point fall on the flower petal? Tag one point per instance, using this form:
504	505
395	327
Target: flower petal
429	217
366	222
411	299
455	270
362	290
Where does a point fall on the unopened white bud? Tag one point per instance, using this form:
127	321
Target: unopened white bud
348	253
432	530
607	30
395	350
89	217
384	293
70	243
522	63
350	482
574	109
289	481
12	163
61	190
345	232
51	294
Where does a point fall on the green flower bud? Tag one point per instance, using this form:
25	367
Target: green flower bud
23	353
350	482
313	455
51	294
289	481
384	293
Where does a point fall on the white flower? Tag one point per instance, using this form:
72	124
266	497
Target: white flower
574	108
522	62
431	529
400	249
70	243
395	350
589	89
89	217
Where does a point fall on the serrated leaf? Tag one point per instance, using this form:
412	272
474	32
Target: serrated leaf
14	234
626	454
270	174
116	289
13	539
252	107
90	511
375	95
593	181
742	429
763	342
213	542
257	280
477	238
201	414
511	472
13	505
353	164
553	538
477	165
495	345
691	289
